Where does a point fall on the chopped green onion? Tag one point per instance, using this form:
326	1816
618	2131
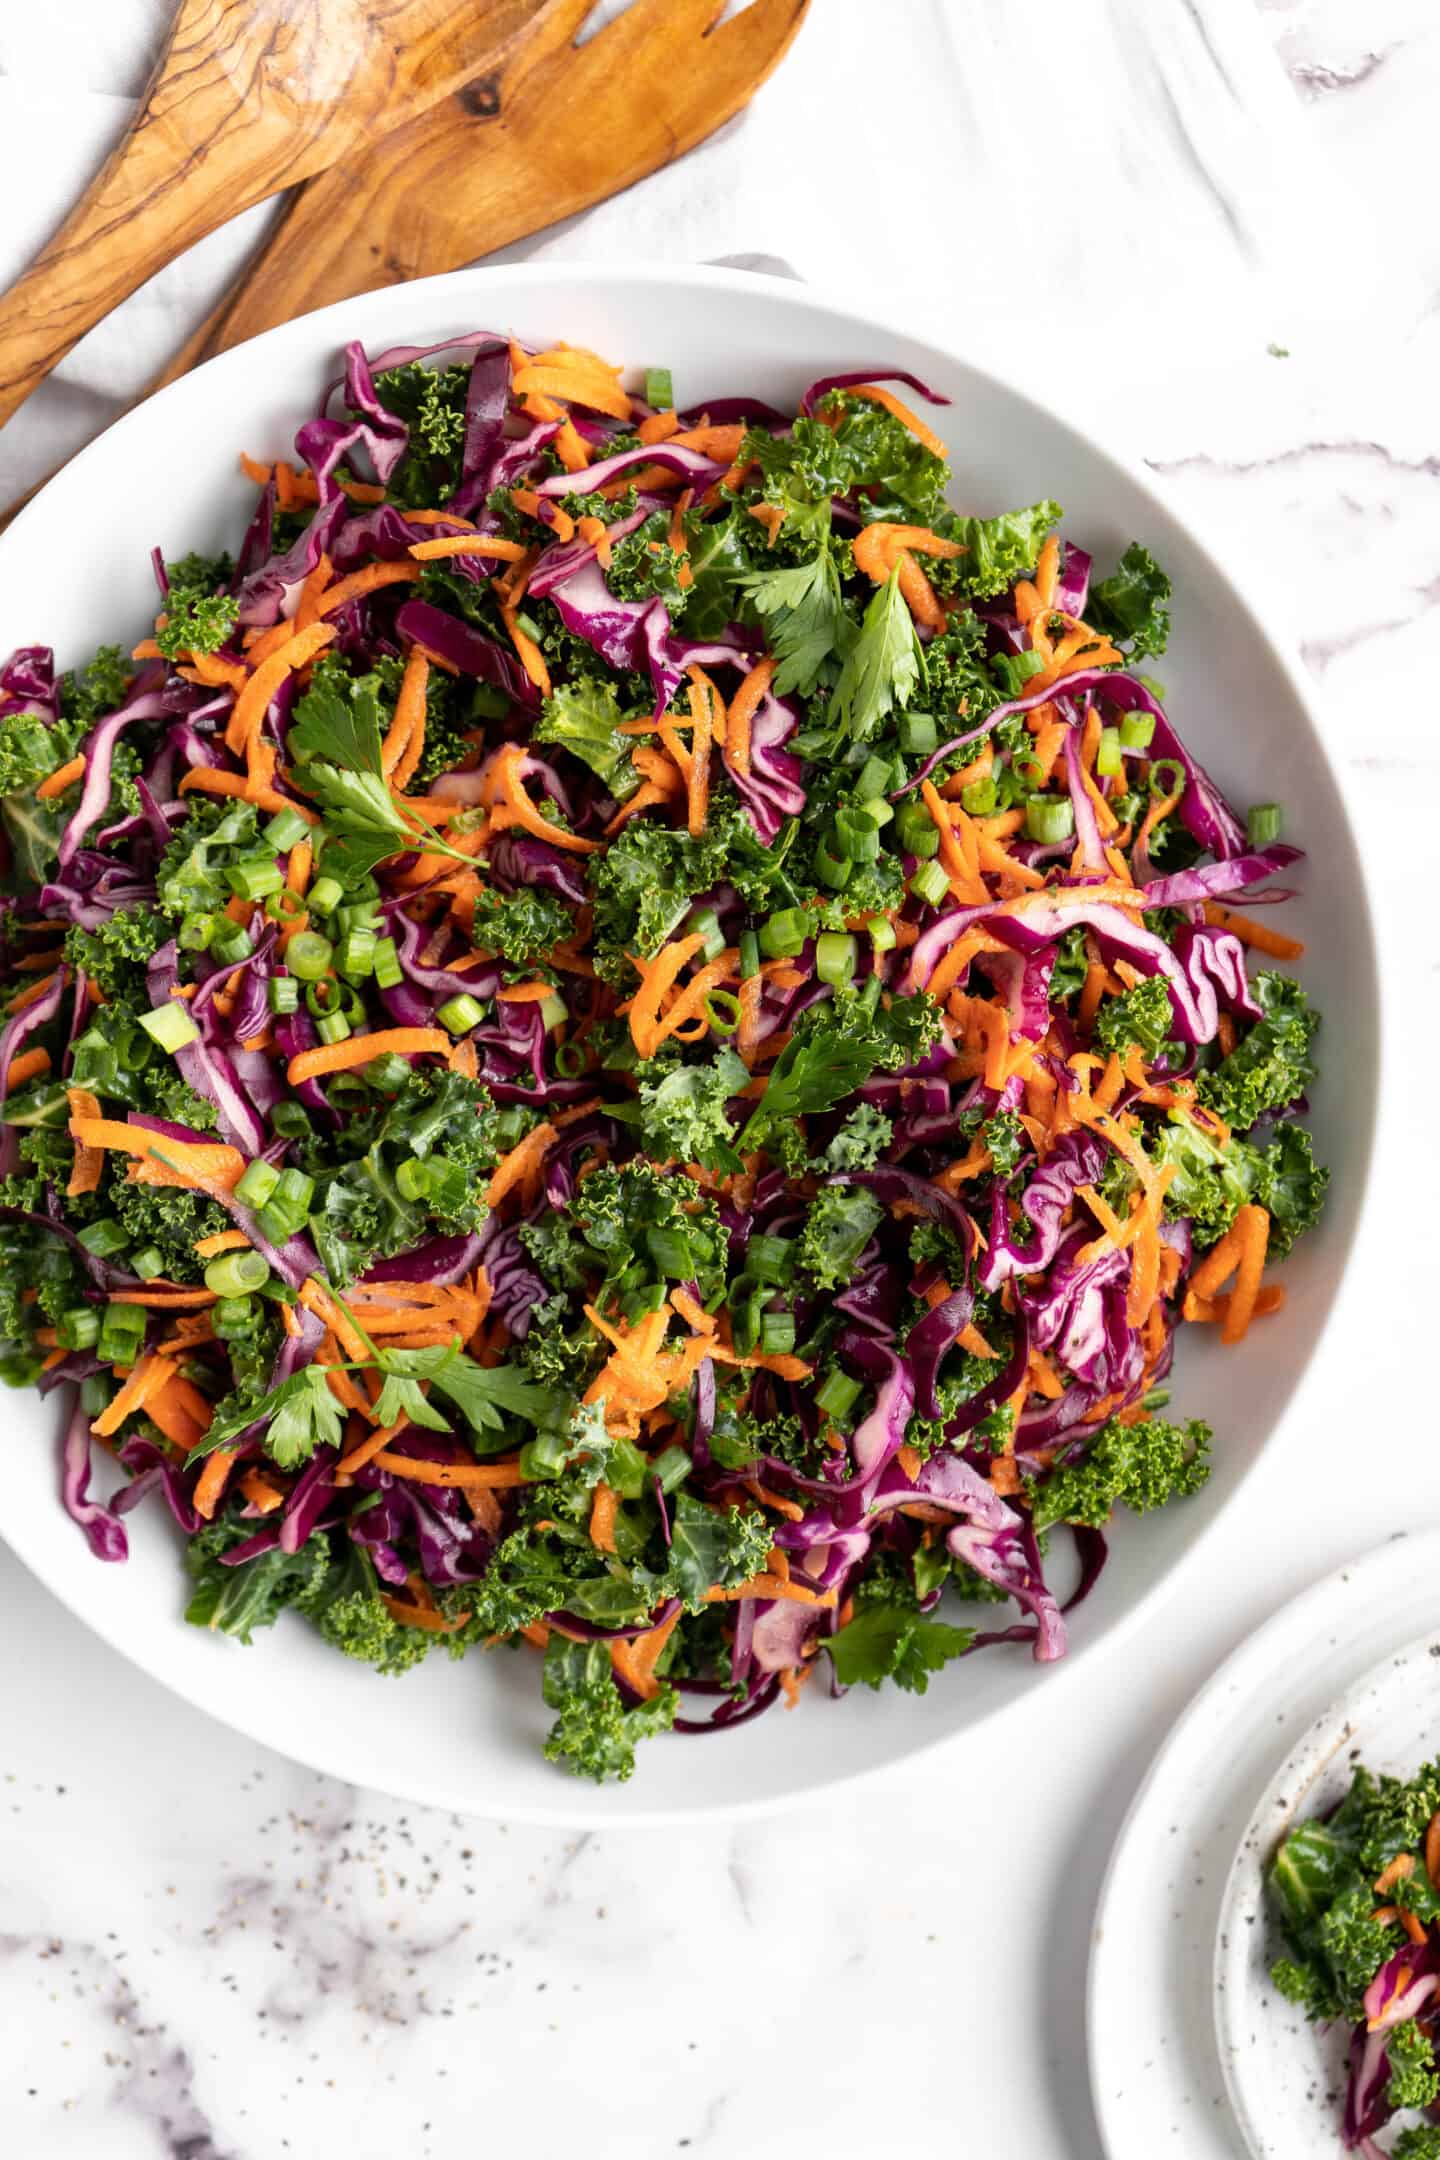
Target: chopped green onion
1137	731
148	1263
459	1014
857	834
282	994
294	1193
1108	761
875	779
670	1468
285	830
749	955
882	933
1167	777
325	895
291	1120
387	1074
253	879
257	1184
546	1455
918	733
745	1319
360	915
531	628
783	934
79	1328
332	1027
237	1274
831	869
777	1333
412	1179
170	1026
134	1048
722	1010
355	954
769	1258
704	923
553	1010
930	884
308	955
570	1060
659	388
285	906
1263	824
1016	669
1156	689
837	1394
388	971
233	1316
196	932
836	955
915	830
231	943
977	797
1049	818
122	1330
323	997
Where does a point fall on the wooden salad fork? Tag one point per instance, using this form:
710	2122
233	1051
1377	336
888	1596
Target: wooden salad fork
248	98
551	130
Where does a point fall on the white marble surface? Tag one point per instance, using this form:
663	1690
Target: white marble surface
208	1954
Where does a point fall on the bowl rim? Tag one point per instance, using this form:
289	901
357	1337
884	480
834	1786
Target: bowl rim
574	1807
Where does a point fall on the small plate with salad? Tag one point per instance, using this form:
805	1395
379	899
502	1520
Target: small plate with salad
1328	1956
640	1045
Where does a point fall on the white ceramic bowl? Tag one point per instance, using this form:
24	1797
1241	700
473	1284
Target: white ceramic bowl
74	572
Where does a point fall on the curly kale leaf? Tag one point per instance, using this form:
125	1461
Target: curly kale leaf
522	926
1142	1466
431	402
1212	1183
116	956
594	1735
31	748
583	718
215	834
1272	1064
442	1120
1414	2081
684	1116
169	1218
93	692
997	550
861	1140
840	1224
1131	606
710	1546
195	621
1143	1017
237	1600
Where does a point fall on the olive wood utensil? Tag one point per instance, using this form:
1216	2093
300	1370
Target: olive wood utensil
249	97
553	130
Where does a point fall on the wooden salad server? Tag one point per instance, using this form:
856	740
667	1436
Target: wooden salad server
554	129
249	97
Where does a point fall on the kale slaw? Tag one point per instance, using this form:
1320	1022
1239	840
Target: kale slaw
646	1050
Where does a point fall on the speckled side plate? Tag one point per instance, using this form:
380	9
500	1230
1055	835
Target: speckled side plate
1286	2078
1325	1662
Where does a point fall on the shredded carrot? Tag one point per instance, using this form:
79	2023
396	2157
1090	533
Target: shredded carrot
65	776
743	708
468	544
151	1374
212	1481
604	1508
514	807
1160	808
33	994
1218	1265
461	1474
161	1160
223	1241
901	412
26	1066
1259	936
522	1162
254	700
361	583
1252	1225
357	1050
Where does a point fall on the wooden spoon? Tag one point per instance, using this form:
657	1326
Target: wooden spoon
552	130
248	97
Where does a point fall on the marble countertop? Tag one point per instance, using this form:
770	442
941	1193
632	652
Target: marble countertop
1215	248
